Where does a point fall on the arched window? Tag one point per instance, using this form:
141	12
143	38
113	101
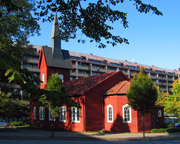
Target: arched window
50	115
159	113
61	76
43	78
62	114
109	113
127	116
41	113
34	112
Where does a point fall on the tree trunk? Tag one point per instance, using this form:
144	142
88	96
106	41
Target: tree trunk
53	125
143	126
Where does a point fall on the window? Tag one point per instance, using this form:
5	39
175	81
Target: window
42	113
62	114
34	112
75	114
109	113
61	77
159	113
127	118
43	78
50	115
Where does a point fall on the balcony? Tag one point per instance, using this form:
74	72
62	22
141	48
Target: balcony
32	61
73	74
99	70
162	78
153	76
34	70
84	68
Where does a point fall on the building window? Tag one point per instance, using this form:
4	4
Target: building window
34	113
109	113
61	77
75	114
159	113
127	117
50	115
43	78
42	113
62	114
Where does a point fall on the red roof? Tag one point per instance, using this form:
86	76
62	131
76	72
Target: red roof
79	86
120	88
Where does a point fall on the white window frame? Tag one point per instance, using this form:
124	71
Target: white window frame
41	113
75	114
62	114
34	112
50	115
61	77
43	78
130	114
159	113
108	113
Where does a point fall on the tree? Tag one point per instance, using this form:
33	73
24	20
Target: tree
55	96
142	94
171	102
12	108
90	17
16	25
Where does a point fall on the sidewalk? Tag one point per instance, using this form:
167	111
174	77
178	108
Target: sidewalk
41	134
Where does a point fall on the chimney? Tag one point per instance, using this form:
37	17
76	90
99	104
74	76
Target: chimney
55	40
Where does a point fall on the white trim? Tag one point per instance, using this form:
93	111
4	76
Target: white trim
34	112
109	106
41	113
130	114
62	114
75	112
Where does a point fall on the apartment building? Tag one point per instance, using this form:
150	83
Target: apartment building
85	65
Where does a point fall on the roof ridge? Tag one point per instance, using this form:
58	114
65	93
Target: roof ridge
113	73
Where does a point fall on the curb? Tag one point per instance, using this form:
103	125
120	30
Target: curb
91	138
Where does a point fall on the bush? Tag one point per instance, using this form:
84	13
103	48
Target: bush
173	130
161	130
16	123
104	131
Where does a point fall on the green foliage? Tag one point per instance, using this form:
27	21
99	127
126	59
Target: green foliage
171	102
16	123
16	25
92	18
55	95
142	93
12	108
104	131
161	130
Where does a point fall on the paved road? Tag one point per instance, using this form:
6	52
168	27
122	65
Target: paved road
16	141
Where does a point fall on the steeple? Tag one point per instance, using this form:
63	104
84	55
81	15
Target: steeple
55	40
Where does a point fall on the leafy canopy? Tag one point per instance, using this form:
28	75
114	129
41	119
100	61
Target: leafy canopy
16	25
142	93
93	18
171	102
12	108
55	95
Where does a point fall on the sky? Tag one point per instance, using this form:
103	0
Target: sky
154	40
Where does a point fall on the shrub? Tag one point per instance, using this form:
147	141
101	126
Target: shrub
104	131
173	130
16	123
161	130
